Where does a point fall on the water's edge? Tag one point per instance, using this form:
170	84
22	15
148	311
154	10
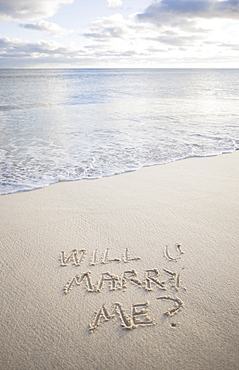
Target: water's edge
27	188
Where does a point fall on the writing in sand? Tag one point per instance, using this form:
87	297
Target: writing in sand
149	280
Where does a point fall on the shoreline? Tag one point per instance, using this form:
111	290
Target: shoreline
115	174
131	271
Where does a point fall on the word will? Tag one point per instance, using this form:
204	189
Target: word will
77	257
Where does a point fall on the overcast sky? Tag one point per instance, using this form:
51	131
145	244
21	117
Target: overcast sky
119	33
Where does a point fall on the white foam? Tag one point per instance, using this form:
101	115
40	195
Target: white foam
109	124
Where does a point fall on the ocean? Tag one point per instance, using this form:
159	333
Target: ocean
71	124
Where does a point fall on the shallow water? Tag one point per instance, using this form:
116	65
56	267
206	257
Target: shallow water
59	125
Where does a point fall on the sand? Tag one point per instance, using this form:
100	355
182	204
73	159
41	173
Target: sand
135	271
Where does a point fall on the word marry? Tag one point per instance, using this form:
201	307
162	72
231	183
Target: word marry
115	282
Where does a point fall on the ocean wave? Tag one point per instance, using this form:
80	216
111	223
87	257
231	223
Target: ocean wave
81	124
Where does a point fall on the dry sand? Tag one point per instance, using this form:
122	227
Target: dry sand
174	308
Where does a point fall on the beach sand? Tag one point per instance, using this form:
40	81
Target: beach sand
135	271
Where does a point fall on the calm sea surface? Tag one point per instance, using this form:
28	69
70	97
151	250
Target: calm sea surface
72	124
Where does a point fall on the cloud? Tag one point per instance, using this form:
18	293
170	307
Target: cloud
15	52
117	29
114	3
53	28
29	9
127	34
107	28
175	39
176	30
18	48
170	28
169	11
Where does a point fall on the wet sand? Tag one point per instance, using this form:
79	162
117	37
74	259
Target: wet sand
136	271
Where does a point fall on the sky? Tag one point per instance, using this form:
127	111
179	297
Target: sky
119	33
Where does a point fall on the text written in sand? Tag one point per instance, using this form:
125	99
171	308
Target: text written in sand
77	257
149	280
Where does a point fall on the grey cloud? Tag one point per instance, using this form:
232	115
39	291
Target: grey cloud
230	46
29	9
157	50
115	27
173	38
108	28
53	28
122	54
105	33
166	11
20	48
7	42
32	26
177	41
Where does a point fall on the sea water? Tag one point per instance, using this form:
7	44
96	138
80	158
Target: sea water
71	124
